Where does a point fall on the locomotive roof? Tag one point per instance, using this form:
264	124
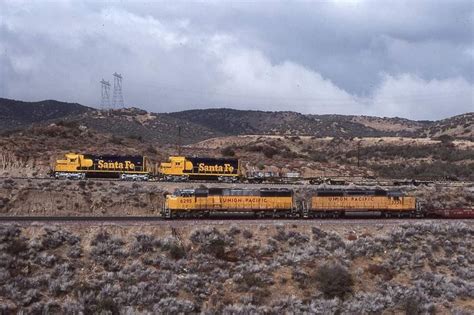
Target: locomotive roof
211	158
234	192
358	192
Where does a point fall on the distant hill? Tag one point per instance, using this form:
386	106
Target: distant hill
460	126
201	124
17	114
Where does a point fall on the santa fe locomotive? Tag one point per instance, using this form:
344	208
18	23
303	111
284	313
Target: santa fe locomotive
80	166
178	168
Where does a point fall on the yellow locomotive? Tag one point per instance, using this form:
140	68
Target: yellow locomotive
80	166
282	203
181	168
202	202
338	202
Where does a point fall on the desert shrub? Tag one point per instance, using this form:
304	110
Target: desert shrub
317	156
151	149
177	251
228	151
334	280
412	306
171	305
69	124
144	243
17	246
116	140
211	241
431	171
318	233
75	251
135	137
269	152
106	250
384	271
247	234
54	238
292	237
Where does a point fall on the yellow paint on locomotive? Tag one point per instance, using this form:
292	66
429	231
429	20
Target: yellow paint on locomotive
179	165
228	203
370	203
176	166
72	162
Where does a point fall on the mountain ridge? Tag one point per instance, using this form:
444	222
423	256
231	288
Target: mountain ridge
200	124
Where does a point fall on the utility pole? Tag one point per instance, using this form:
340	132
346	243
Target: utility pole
118	96
179	140
358	154
105	98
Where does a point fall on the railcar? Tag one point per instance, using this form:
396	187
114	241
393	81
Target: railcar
181	168
338	202
80	166
265	202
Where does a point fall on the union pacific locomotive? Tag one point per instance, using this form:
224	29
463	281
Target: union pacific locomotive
282	203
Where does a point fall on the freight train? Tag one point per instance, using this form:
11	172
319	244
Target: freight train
276	203
184	168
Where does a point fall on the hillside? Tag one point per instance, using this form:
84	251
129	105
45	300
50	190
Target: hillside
460	126
17	114
140	124
244	268
201	124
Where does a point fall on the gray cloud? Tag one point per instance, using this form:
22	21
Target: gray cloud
410	59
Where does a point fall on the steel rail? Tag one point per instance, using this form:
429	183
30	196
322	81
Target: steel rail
298	183
227	220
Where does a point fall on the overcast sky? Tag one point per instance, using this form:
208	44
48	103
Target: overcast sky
412	59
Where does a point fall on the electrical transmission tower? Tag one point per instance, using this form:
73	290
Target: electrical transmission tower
118	96
105	101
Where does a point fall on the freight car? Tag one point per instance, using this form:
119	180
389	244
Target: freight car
338	202
265	202
180	168
80	166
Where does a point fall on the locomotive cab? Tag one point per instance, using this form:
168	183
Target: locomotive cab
72	163
175	168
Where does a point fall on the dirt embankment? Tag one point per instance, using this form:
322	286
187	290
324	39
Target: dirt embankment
64	198
240	269
115	198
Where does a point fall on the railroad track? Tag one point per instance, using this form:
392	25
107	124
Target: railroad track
155	220
291	184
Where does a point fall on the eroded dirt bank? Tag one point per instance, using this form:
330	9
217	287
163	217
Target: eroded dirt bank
93	197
